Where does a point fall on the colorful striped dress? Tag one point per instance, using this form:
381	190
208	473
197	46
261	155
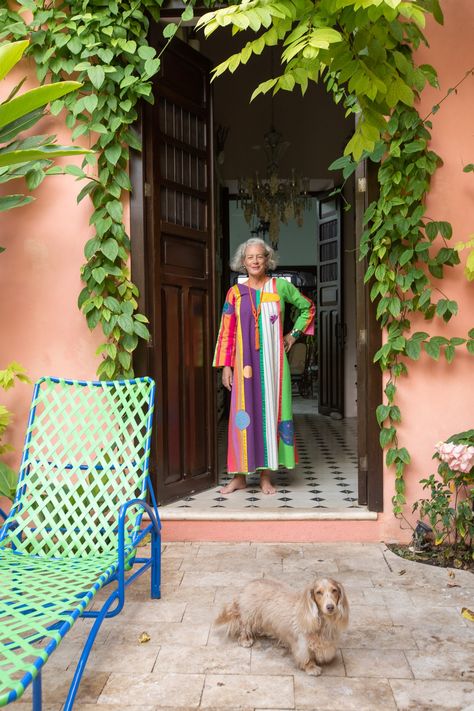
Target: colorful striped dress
261	433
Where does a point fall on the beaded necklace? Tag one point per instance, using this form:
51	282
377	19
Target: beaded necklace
256	315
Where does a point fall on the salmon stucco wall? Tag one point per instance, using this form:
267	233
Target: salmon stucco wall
41	325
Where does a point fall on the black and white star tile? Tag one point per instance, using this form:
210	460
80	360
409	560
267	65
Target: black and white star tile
325	478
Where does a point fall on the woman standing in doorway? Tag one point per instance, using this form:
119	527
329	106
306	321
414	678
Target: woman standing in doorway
251	348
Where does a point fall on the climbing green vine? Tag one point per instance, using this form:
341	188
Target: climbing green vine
362	50
105	46
400	244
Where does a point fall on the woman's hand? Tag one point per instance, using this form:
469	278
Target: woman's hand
227	377
288	341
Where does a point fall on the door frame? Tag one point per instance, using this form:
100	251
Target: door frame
369	333
369	340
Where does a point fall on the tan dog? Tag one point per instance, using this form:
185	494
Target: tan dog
307	622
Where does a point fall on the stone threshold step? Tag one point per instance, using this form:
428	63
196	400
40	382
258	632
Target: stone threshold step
170	513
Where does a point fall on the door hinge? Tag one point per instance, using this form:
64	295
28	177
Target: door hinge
147	190
361	185
363	465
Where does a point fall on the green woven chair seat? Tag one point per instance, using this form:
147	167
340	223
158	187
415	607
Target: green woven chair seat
51	599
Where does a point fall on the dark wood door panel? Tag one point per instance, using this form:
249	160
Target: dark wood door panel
183	256
329	307
172	391
181	274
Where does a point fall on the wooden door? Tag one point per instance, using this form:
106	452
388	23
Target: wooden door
330	325
180	272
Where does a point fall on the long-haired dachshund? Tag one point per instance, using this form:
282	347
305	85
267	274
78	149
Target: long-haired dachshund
307	622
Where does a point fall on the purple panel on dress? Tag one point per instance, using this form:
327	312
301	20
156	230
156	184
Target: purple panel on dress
252	385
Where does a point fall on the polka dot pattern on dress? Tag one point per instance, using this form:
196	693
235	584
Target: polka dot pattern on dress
242	419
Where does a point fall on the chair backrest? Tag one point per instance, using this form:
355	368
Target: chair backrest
297	358
86	452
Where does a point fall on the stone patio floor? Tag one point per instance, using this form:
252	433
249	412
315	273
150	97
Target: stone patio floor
407	645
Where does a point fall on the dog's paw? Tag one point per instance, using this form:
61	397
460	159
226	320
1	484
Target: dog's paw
313	669
245	641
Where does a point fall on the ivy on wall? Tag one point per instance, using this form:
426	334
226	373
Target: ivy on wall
362	50
104	45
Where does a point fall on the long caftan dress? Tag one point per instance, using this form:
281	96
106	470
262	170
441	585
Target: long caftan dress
261	432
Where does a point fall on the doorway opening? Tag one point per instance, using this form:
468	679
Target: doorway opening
199	146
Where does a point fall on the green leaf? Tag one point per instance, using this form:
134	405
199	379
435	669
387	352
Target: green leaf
413	349
126	323
431	230
406	257
97	75
90	102
432	349
130	342
113	153
125	359
170	30
387	435
74	45
404	455
188	14
145	52
8	202
141	330
449	352
114	208
99	274
110	249
8	478
382	413
34	99
10	54
41	153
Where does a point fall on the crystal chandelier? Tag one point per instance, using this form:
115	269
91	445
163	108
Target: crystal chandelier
273	200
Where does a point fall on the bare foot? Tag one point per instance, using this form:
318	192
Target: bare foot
238	482
266	484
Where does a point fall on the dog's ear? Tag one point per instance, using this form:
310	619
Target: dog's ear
342	607
308	612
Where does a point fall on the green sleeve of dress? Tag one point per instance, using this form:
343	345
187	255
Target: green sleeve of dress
306	309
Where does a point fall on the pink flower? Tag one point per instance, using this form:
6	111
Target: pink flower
458	457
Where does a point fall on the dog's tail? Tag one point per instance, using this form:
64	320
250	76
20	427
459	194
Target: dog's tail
230	616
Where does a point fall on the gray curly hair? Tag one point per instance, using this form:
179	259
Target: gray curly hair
237	261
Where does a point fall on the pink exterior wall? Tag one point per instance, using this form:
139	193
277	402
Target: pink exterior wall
43	329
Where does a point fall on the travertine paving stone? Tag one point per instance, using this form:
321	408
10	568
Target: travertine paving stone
407	647
367	663
418	695
175	690
343	694
265	691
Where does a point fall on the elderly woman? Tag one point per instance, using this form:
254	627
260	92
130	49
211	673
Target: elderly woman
251	349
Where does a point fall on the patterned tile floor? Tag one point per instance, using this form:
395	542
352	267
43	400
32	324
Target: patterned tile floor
325	478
